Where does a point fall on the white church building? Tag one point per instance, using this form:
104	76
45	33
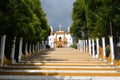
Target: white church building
60	38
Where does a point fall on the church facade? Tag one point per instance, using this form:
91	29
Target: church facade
60	39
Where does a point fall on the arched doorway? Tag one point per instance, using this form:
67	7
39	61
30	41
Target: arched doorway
60	42
60	39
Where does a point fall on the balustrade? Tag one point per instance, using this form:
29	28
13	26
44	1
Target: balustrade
92	46
28	51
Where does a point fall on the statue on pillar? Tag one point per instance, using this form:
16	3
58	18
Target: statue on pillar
68	29
59	27
51	28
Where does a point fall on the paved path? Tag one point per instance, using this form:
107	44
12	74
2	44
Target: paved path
62	55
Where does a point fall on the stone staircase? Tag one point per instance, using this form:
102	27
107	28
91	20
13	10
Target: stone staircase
60	64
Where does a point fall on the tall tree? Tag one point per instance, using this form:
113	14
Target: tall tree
79	19
22	18
101	17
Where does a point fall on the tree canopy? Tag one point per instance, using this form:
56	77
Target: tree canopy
23	18
96	18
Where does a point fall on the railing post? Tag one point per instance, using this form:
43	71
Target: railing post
83	45
104	50
90	46
3	39
20	49
111	49
79	44
86	45
97	47
93	48
13	50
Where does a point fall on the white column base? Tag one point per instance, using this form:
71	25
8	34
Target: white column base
112	63
100	58
96	56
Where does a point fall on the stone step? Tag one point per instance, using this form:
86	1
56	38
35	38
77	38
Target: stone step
62	72
62	64
60	68
107	66
25	77
61	59
70	61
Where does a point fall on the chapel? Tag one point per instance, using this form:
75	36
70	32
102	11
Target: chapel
60	38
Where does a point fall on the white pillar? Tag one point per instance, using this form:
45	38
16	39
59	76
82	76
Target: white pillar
86	46
97	47
26	46
3	39
13	50
93	48
20	49
104	50
83	45
90	46
52	44
111	49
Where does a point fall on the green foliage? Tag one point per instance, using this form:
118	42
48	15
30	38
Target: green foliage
74	46
22	18
94	16
79	20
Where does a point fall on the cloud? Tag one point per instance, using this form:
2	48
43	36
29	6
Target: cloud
58	12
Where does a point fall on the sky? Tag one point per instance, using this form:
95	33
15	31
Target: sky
58	12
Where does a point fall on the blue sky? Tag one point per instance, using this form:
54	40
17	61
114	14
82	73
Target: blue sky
58	12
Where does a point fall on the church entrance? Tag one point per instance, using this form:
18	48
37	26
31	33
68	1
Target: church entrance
60	43
60	39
